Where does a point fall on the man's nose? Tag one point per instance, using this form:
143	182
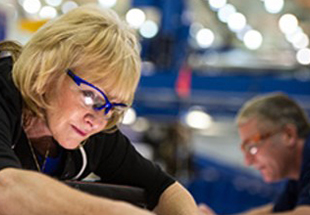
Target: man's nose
248	159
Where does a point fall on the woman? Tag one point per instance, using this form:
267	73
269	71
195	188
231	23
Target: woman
70	86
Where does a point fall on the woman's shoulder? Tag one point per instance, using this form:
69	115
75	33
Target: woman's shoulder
10	97
107	137
107	142
6	66
6	63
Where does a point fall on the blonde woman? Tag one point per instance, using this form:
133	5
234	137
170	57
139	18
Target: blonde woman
61	97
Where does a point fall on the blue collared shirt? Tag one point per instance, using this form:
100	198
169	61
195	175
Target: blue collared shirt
297	192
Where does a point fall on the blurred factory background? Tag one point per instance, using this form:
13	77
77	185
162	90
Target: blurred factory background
202	59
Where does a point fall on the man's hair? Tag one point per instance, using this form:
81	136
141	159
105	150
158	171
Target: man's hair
92	42
275	108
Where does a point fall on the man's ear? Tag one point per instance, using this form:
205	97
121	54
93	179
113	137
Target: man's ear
291	134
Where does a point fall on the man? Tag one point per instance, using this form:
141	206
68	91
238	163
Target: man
275	136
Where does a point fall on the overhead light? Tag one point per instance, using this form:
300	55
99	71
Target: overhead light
135	17
236	22
205	38
147	68
107	3
300	40
217	4
194	28
291	37
288	23
253	39
240	34
54	3
141	125
225	12
48	12
274	6
69	5
303	56
32	6
148	29
198	119
130	117
21	2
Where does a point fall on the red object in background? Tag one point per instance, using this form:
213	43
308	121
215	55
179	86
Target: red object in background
184	82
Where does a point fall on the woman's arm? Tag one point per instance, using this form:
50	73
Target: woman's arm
27	192
176	200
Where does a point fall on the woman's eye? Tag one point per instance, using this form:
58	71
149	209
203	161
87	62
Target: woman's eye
98	105
88	97
87	93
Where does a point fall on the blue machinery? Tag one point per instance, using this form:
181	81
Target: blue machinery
2	25
221	94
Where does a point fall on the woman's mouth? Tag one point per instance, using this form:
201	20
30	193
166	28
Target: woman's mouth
80	132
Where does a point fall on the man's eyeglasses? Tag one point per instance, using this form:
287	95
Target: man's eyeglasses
252	145
98	103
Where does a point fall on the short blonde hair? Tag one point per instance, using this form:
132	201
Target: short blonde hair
94	43
277	109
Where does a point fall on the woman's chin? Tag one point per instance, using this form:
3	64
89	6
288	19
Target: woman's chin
70	145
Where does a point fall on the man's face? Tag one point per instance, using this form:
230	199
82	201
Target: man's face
264	149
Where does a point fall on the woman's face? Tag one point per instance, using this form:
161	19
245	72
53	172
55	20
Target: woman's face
69	120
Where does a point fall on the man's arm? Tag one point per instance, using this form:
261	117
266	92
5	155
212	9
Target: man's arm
176	200
28	192
267	209
300	210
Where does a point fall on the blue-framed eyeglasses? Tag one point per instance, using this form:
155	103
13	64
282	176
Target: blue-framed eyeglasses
98	104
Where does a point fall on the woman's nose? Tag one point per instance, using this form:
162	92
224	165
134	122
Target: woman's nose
94	121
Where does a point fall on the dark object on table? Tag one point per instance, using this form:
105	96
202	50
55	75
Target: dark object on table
133	195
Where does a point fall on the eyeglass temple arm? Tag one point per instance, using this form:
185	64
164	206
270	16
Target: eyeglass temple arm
78	81
75	78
